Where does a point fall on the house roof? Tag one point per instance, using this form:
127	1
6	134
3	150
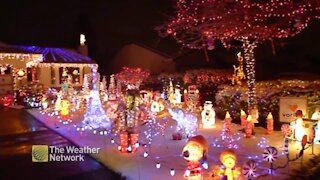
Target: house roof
5	48
58	55
50	55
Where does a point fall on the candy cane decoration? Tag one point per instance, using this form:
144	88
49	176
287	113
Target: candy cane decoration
286	146
249	169
270	154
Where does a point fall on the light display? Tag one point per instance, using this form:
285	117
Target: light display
227	123
238	74
198	23
44	103
208	115
249	169
7	100
95	116
64	110
156	107
228	158
270	155
317	133
191	97
186	122
57	105
299	128
316	114
132	77
171	93
269	124
128	141
112	89
85	84
195	151
249	127
243	117
56	54
177	96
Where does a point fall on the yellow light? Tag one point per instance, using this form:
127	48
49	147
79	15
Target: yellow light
64	108
20	73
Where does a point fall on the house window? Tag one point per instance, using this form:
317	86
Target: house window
29	74
5	70
53	75
74	72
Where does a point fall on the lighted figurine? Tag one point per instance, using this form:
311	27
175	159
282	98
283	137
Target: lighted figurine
7	99
238	75
177	96
249	127
195	152
316	114
254	117
227	122
243	117
57	105
208	115
112	94
229	170
191	97
299	128
171	93
64	110
44	103
269	123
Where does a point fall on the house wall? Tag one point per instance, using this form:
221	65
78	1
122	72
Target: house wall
44	75
133	55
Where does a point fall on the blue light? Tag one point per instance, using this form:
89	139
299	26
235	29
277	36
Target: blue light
57	54
205	165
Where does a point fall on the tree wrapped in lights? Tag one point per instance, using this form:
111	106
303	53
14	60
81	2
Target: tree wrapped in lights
132	77
199	23
95	117
85	84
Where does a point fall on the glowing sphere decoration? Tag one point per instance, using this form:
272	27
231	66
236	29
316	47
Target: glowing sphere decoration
270	154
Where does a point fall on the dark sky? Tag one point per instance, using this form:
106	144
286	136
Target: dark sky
108	24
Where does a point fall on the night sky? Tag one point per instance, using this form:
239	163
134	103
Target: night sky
109	24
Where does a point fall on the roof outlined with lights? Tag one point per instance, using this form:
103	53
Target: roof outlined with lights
57	55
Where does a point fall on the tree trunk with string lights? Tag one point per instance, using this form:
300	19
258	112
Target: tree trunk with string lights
199	23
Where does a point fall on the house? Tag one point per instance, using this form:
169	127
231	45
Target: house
20	65
139	55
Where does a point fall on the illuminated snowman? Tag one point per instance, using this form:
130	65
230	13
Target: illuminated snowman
177	96
208	115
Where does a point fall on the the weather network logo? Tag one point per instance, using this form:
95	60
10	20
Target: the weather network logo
40	153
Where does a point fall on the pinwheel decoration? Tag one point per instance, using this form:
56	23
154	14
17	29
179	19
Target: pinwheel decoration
270	154
249	169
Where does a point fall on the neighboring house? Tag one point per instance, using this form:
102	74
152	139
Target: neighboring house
43	65
138	55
